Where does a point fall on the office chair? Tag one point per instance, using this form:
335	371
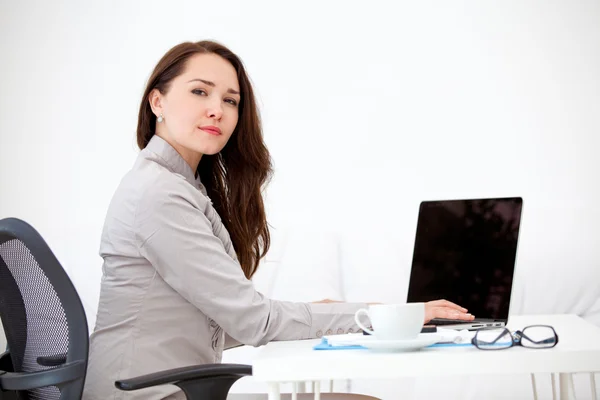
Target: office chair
47	335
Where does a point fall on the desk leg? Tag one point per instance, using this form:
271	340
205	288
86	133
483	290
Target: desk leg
553	378
301	387
317	390
274	391
534	387
593	383
567	389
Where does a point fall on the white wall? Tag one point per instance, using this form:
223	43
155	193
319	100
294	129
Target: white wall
369	107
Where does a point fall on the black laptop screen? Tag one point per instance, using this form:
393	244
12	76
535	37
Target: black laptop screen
465	252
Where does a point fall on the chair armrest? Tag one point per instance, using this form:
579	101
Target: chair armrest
194	372
50	377
52	361
46	361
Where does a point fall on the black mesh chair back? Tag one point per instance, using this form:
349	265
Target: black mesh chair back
43	319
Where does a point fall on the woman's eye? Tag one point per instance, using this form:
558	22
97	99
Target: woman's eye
231	101
198	91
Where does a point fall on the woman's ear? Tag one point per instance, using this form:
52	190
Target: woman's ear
155	98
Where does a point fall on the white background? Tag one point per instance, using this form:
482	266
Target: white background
368	108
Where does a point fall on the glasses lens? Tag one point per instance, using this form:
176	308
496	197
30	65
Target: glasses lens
538	337
493	339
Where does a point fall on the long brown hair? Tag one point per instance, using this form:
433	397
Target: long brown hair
234	178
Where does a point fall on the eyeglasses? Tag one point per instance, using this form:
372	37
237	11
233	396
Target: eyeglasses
534	336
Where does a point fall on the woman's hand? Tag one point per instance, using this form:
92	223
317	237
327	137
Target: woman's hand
445	309
327	301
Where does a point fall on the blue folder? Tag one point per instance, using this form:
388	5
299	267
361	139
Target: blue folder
324	345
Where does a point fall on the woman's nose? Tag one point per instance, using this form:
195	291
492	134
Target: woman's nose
215	110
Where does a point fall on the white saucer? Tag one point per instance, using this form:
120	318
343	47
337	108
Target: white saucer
423	340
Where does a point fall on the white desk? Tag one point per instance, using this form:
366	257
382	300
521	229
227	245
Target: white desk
578	350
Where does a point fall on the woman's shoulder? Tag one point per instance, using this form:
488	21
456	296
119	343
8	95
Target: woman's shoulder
151	191
148	186
151	194
154	184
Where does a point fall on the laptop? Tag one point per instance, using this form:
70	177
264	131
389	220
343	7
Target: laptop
465	252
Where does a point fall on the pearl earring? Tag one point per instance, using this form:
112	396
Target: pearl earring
160	119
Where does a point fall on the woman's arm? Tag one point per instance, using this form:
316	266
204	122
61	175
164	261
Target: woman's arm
177	238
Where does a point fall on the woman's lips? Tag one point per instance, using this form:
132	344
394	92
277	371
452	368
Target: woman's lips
212	130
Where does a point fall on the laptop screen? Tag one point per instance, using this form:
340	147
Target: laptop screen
465	252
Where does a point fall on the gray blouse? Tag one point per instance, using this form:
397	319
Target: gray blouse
172	290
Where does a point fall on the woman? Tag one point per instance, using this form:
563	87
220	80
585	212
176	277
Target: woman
185	232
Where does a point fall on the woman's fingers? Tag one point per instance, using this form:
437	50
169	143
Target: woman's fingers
450	313
446	309
449	304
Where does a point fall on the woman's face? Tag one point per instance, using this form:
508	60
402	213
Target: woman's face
200	108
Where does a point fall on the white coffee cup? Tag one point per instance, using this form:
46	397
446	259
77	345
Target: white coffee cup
393	321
